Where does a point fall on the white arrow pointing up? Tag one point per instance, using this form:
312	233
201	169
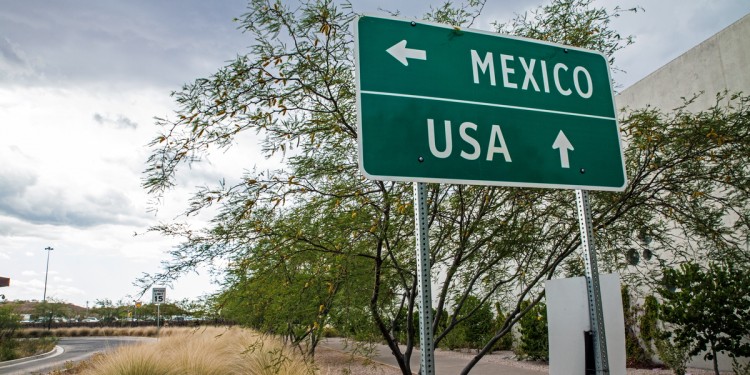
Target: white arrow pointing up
563	144
401	53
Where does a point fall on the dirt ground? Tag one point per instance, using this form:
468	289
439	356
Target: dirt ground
334	362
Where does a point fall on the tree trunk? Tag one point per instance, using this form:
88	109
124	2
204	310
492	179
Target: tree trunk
401	359
716	361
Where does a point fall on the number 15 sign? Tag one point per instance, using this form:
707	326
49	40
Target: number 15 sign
159	295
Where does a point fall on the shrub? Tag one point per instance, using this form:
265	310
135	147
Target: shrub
675	355
205	351
472	331
707	308
648	322
8	350
636	355
505	342
27	348
479	325
455	339
9	323
534	335
739	368
330	331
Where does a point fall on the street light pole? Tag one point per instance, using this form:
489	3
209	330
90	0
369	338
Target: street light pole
46	273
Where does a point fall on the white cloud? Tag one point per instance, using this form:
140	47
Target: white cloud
135	43
13	61
74	184
29	273
65	293
70	178
118	121
9	54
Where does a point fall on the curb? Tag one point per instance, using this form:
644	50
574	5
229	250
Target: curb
33	357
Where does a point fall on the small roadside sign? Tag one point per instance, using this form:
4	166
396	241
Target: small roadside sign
159	295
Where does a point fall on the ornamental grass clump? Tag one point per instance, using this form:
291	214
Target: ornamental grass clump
203	351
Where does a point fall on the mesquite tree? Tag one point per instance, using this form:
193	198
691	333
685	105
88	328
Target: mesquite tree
327	241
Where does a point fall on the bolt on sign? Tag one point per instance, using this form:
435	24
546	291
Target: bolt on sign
449	105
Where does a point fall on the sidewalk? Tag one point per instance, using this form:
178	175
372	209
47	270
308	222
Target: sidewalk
446	362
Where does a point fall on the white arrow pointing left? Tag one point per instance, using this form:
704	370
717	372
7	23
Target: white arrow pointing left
563	144
401	53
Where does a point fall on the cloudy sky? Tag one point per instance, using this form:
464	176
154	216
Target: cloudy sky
80	84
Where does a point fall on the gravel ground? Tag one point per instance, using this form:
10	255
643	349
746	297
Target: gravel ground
508	358
334	362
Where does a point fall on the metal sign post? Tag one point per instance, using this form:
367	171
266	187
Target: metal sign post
427	362
159	295
443	104
596	315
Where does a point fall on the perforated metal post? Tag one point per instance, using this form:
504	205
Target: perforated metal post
427	363
158	316
596	315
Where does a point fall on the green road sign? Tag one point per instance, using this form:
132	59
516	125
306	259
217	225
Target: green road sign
438	103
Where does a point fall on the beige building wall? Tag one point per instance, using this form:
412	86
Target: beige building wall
721	62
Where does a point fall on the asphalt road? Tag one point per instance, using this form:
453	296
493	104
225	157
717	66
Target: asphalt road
69	349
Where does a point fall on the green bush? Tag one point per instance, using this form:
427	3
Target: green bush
675	355
707	309
455	339
330	331
9	323
10	346
648	322
26	348
534	335
475	327
505	342
8	350
478	326
636	355
740	368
